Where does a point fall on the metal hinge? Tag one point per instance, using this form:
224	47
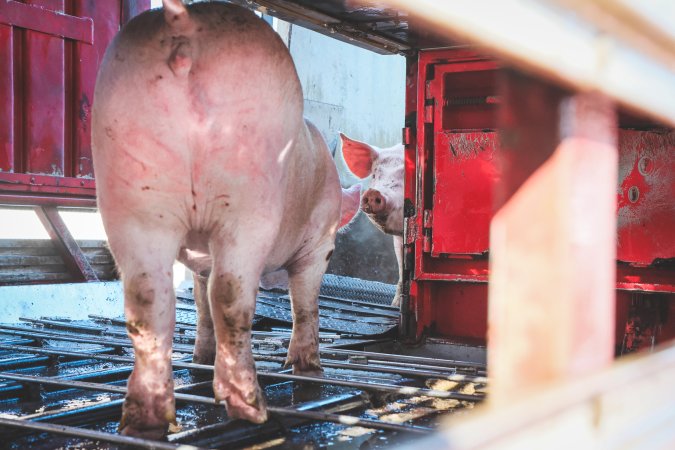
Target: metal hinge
427	222
428	113
407	136
428	103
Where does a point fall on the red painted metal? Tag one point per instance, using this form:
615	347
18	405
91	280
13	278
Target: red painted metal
451	149
646	196
50	51
70	252
37	17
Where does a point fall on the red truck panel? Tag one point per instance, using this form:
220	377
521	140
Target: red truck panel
452	149
50	51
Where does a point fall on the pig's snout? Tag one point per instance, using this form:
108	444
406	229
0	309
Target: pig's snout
373	202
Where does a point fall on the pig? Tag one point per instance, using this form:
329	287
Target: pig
383	201
350	206
201	154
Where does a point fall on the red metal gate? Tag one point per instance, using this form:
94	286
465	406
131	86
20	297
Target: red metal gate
452	168
50	51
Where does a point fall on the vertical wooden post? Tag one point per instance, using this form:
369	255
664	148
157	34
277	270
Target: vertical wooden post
553	237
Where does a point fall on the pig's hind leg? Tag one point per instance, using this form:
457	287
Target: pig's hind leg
305	276
205	341
145	261
233	286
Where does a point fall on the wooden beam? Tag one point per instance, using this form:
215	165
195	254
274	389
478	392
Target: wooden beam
628	406
630	61
64	242
552	239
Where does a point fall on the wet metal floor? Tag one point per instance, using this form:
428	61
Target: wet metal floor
62	384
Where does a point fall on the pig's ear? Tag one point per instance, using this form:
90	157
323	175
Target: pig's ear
358	156
351	198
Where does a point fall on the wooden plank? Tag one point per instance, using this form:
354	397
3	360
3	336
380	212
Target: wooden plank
36	270
70	252
588	53
553	238
84	244
39	260
24	277
629	405
29	260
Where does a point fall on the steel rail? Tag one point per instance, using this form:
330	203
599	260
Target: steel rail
23	331
384	369
394	389
92	434
467	370
276	359
333	404
405	358
287	412
187	326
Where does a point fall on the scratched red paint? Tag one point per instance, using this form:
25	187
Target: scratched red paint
450	174
646	196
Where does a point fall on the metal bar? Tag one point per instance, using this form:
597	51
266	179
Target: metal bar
64	242
289	412
189	326
384	369
47	21
334	404
423	366
404	390
56	414
68	325
405	358
92	434
22	331
278	359
29	198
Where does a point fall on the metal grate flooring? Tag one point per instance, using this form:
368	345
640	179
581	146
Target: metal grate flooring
62	384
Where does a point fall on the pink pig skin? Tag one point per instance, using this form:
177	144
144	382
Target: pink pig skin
201	153
383	201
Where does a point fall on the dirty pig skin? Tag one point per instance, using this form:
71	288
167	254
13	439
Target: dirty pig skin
383	201
201	154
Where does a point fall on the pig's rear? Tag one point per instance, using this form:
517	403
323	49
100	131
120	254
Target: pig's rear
163	90
199	144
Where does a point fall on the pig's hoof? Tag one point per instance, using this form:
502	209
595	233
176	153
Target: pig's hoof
140	420
308	365
156	433
204	358
253	408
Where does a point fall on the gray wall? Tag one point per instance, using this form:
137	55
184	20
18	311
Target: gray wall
362	94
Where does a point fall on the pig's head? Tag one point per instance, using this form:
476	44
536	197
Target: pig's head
383	201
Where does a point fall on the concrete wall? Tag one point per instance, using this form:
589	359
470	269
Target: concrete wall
362	94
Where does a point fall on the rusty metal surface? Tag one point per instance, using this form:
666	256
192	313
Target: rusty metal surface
49	55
